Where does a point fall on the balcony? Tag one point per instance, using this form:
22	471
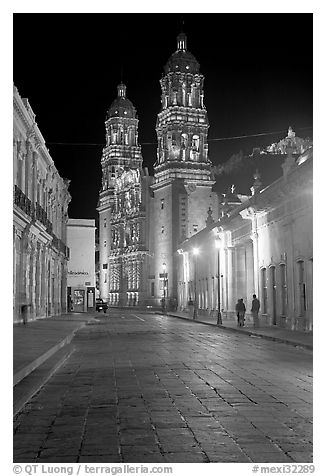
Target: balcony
36	212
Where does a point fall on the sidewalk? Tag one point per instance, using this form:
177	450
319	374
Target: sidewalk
39	348
296	338
38	340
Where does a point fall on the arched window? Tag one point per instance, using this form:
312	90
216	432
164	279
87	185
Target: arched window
184	141
195	143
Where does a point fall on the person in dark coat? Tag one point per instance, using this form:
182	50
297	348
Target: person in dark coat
255	306
241	310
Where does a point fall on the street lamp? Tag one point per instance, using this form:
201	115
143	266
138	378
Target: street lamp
195	252
164	288
219	316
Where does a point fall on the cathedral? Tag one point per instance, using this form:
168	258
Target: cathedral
143	219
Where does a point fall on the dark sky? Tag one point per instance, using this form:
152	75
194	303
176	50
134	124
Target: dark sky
257	68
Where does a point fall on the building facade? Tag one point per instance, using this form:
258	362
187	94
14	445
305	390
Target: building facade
124	209
261	246
40	214
143	219
81	265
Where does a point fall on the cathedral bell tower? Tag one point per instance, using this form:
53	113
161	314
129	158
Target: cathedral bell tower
182	172
122	208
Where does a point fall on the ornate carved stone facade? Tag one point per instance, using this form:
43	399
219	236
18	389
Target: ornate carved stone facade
266	248
182	171
123	209
41	201
143	219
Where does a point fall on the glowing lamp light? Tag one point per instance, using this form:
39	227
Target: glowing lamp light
195	251
217	243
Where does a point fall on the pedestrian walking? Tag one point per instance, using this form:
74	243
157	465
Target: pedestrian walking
255	306
241	310
24	311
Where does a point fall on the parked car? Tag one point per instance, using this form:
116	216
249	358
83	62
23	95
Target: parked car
101	305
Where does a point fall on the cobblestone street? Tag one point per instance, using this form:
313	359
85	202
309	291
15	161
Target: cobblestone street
153	388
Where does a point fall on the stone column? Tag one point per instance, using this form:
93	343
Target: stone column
28	169
18	273
32	280
241	285
255	256
64	286
38	280
230	251
44	288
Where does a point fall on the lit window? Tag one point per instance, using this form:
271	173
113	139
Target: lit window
125	112
187	67
115	112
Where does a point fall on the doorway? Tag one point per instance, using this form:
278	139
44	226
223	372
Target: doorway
78	300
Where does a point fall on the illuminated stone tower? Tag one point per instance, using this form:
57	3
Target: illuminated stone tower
182	172
123	209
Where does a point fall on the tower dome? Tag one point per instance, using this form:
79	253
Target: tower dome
121	106
182	60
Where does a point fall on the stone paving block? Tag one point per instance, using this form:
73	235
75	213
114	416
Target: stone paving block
93	449
142	440
301	457
185	457
24	450
143	458
227	457
49	452
27	457
67	442
58	459
270	458
178	444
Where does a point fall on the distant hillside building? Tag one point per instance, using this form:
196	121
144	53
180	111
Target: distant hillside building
41	199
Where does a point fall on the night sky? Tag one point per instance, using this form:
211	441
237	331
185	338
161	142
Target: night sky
257	68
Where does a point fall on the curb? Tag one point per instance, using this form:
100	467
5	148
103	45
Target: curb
26	389
29	368
248	333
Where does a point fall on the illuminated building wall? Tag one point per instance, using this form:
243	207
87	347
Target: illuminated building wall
123	209
81	265
41	199
182	171
266	248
